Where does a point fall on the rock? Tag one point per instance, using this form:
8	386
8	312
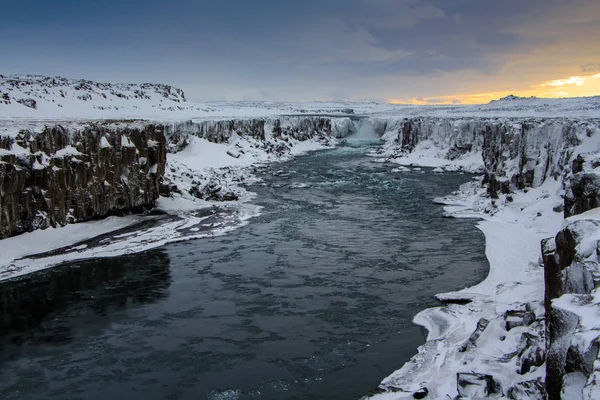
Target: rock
473	385
458	151
230	196
534	390
421	393
233	154
196	192
471	342
70	175
514	318
582	360
567	271
4	98
584	194
167	189
31	103
532	354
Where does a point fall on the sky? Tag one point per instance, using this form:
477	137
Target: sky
403	51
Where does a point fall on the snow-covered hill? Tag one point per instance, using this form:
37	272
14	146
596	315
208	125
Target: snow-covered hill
40	97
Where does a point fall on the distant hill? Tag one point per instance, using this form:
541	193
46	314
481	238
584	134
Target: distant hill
512	97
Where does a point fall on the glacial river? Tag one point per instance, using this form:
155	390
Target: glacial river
313	299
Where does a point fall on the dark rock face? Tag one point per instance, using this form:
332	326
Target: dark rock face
421	394
299	128
583	186
514	318
566	272
68	175
533	353
515	154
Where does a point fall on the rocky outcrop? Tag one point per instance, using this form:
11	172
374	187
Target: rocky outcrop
516	154
250	139
572	276
65	174
62	175
262	129
582	186
42	87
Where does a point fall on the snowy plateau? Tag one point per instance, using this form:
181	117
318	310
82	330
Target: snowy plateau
134	167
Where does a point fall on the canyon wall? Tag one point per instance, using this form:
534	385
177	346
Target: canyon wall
515	155
77	172
261	129
572	277
60	175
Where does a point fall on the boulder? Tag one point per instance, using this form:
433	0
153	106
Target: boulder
471	342
514	318
533	390
474	385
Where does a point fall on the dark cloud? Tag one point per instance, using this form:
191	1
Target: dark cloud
267	48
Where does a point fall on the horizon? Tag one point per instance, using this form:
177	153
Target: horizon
419	52
381	102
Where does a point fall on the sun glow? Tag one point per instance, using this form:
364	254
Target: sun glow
574	86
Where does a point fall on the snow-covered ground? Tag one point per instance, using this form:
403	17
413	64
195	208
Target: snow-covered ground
56	98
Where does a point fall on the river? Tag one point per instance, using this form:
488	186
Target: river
313	299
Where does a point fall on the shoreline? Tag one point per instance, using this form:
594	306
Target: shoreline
183	218
515	279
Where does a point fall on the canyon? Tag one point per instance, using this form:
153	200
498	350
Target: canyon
75	151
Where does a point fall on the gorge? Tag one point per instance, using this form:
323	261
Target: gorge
502	337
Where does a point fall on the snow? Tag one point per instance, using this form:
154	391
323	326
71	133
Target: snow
574	383
14	248
60	98
427	154
15	251
68	151
104	143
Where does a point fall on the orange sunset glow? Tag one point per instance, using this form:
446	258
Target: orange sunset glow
574	86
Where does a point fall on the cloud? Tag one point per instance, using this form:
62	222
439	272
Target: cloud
590	67
574	80
306	49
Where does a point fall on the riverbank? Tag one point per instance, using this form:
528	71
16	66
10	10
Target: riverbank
513	232
491	340
185	214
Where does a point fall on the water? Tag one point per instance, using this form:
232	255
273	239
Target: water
311	300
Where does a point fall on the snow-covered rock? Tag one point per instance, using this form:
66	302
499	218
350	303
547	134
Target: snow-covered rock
572	276
65	174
